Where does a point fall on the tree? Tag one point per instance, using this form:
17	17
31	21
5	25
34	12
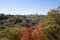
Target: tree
52	23
39	33
12	33
27	35
58	9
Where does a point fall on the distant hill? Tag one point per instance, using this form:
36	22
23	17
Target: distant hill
19	20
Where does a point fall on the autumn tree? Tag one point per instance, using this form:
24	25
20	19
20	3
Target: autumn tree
27	35
52	23
39	33
12	33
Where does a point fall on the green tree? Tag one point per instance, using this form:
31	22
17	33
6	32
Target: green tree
52	23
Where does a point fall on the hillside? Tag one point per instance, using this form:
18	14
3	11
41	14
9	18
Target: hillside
40	27
19	20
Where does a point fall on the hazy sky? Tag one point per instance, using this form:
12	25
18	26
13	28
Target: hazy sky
27	6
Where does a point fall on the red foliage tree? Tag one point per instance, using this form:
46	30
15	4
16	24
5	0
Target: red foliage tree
39	33
27	35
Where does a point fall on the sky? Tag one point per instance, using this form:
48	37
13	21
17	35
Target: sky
26	7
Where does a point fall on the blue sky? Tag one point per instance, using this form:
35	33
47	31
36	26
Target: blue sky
26	7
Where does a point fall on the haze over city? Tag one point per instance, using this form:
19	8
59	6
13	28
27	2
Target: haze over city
26	7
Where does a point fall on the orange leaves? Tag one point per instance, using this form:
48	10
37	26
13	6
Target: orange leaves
27	35
40	33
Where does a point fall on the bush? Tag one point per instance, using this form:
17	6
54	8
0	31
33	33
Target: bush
12	33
